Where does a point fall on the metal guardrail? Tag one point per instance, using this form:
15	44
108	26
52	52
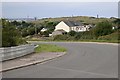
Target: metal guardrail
14	52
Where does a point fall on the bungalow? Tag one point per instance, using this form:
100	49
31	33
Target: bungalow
72	26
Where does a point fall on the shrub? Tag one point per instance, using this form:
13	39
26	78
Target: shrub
85	35
78	36
72	33
102	28
113	36
11	36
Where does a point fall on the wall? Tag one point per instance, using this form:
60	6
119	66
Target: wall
14	52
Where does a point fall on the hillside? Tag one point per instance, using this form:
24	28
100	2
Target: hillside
113	37
83	19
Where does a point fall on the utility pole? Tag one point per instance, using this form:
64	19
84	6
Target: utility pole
72	17
35	26
97	16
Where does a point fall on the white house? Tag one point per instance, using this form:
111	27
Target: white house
115	27
72	25
43	29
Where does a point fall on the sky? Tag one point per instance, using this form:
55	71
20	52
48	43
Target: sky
60	0
58	9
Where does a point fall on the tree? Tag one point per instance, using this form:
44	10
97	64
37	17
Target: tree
25	24
102	28
15	23
31	31
24	32
10	35
46	33
50	26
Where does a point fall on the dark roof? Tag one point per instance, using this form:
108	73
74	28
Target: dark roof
73	23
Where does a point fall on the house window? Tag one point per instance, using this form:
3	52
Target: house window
80	28
71	28
77	28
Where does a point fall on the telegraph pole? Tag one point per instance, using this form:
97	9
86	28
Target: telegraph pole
97	16
35	26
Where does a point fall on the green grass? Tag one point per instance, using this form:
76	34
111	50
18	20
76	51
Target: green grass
106	41
49	48
86	19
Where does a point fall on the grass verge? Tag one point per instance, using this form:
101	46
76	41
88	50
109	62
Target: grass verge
106	41
49	48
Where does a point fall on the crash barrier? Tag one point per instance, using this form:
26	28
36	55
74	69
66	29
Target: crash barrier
14	52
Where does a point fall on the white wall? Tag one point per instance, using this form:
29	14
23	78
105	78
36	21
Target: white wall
66	28
79	28
63	26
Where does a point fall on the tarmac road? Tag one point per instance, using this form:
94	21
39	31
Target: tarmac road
83	60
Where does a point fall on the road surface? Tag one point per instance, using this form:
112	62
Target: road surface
83	60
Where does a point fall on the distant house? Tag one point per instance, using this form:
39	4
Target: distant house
72	26
115	27
20	19
43	29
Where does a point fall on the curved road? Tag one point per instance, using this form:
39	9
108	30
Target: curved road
83	60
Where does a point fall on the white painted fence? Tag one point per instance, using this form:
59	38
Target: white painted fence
14	52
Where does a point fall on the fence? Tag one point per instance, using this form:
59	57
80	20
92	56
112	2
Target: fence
14	52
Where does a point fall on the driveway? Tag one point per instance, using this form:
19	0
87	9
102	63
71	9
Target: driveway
83	60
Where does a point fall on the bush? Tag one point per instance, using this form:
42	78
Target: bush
113	36
45	33
102	28
78	36
11	36
72	33
31	31
84	35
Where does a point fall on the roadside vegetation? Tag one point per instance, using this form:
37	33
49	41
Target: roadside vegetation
0	36
16	33
49	48
102	32
11	36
